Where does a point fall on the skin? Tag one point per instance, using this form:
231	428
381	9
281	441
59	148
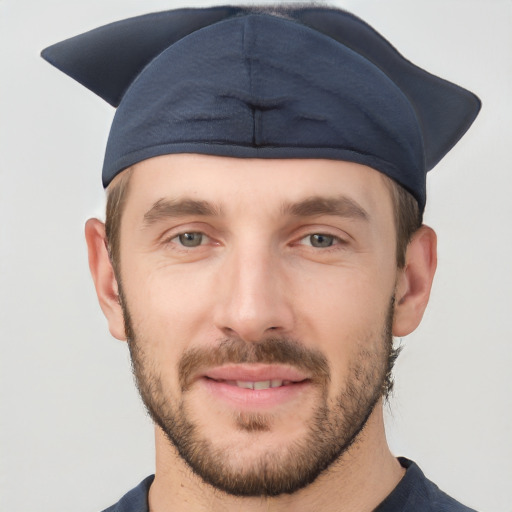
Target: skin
256	275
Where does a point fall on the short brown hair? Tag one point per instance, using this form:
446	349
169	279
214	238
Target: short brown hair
117	193
408	218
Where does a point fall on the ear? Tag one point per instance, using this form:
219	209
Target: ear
415	281
103	276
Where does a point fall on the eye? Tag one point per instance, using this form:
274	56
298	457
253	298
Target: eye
320	240
192	239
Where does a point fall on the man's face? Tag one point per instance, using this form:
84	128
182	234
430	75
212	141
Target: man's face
258	302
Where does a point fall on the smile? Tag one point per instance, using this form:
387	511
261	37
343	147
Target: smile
258	385
255	387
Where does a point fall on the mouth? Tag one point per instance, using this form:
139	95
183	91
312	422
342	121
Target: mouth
258	385
255	386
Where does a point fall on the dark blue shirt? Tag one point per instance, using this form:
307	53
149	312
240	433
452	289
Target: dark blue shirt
414	493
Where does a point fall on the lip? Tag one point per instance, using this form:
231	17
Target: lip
218	384
255	372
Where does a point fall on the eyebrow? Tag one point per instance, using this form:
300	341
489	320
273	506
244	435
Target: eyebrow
172	208
341	206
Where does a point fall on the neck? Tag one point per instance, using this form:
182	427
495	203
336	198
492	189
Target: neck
358	481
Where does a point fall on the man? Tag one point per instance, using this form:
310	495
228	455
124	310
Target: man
263	244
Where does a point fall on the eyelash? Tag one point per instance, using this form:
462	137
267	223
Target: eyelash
334	245
336	241
176	239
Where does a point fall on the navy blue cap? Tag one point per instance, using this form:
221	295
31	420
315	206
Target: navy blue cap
233	81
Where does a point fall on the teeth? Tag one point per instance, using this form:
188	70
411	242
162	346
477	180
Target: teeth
263	384
244	384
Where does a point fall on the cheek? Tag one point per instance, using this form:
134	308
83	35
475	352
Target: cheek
345	296
169	308
346	317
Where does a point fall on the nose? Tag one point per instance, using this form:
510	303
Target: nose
253	298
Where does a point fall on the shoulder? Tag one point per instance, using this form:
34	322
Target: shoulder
416	493
135	500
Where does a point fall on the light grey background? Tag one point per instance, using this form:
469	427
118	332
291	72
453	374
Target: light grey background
73	435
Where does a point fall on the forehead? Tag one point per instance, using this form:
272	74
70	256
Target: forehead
267	183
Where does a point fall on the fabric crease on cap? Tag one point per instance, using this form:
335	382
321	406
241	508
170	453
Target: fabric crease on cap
235	81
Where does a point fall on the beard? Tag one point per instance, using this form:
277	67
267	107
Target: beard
332	428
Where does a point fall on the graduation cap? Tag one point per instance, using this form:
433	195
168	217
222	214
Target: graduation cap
302	82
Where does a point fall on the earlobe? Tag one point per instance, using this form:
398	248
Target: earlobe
414	281
104	278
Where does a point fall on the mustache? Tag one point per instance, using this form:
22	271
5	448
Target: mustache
275	350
